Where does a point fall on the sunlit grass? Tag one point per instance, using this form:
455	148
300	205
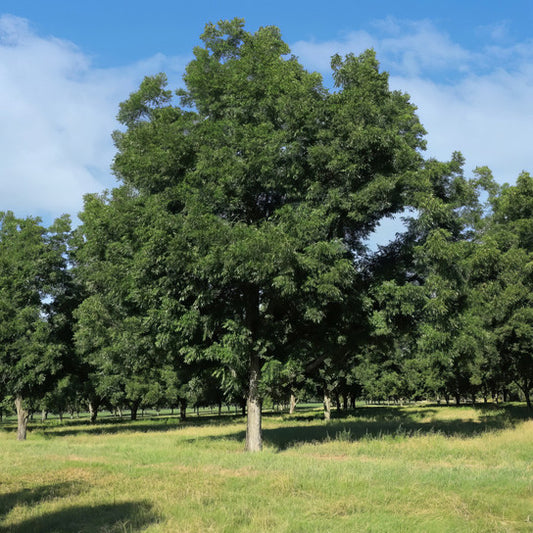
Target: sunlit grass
377	469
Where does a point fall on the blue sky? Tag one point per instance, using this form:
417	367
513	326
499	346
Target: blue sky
65	66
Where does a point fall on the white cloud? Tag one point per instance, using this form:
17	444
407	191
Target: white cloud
409	47
58	110
480	103
57	116
488	118
317	56
497	31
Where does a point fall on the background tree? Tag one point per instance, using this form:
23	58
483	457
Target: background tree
114	332
503	268
424	311
32	264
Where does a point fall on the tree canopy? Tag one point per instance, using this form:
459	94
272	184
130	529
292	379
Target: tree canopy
272	182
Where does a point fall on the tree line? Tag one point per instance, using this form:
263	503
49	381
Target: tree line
230	265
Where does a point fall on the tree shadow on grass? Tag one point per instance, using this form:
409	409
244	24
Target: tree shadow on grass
119	517
390	422
111	426
127	516
362	422
34	495
379	422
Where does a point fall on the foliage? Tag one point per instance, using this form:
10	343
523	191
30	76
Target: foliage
32	284
249	199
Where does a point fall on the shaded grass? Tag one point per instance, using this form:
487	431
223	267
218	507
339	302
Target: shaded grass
118	517
378	422
375	469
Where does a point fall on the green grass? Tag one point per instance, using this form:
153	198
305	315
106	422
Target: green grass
423	468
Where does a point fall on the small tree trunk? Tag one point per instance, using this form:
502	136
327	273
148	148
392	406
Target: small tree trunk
134	408
44	415
60	416
327	406
93	411
528	400
254	441
525	387
292	403
183	410
22	419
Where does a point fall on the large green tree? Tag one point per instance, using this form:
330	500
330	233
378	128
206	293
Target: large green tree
265	185
32	351
503	289
425	315
115	340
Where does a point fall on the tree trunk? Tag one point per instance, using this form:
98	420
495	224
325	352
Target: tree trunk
327	406
525	387
292	403
183	410
528	399
93	411
134	407
22	419
44	415
253	403
254	441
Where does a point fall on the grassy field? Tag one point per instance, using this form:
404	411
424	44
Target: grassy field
412	469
